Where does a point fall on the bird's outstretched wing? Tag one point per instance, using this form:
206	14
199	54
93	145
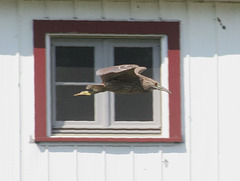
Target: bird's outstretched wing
115	69
123	72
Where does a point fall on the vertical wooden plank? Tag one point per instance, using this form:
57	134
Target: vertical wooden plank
229	88
119	164
34	165
203	92
9	93
62	163
9	111
91	163
147	163
229	103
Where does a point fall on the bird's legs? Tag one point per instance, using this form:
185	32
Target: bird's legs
83	93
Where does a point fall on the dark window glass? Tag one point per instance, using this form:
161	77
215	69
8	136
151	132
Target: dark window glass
74	64
68	107
134	107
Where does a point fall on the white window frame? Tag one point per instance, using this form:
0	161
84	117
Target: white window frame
100	125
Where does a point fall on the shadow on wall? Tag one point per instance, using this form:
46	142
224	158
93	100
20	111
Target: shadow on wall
114	148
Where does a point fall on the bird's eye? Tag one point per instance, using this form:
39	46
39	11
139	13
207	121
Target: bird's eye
155	83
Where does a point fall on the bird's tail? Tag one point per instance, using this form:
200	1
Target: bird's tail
96	88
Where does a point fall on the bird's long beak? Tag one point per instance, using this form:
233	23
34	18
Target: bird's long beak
83	93
166	90
161	88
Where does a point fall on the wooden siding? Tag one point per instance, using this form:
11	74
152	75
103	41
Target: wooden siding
210	60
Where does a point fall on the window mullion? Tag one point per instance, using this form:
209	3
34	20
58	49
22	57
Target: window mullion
109	56
101	99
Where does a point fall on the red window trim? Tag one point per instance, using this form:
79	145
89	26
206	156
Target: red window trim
171	29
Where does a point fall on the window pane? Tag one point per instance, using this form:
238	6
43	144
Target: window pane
74	64
134	107
68	107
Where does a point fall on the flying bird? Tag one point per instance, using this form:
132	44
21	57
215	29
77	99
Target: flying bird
123	79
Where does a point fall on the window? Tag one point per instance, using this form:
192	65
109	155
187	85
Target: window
66	62
73	66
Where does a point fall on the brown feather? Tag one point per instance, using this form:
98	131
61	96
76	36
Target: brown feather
128	72
115	69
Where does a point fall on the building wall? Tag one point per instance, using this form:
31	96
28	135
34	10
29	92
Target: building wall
210	61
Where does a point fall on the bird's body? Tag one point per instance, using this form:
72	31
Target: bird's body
119	87
125	87
123	79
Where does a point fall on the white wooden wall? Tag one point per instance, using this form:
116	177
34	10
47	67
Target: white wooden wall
210	57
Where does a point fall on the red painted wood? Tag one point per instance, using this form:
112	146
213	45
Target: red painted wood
40	92
123	140
171	29
175	97
106	27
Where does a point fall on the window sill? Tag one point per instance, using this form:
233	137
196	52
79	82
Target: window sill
109	139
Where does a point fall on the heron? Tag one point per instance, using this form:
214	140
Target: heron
123	79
